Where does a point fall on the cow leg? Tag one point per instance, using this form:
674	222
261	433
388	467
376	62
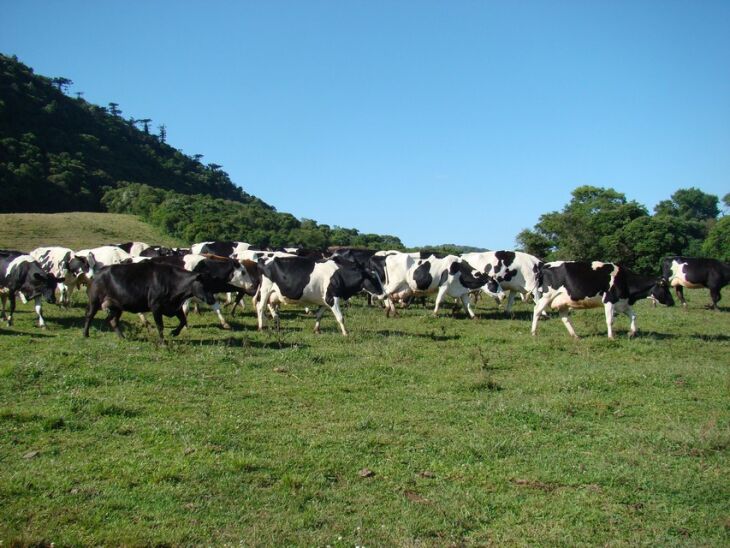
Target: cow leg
239	300
143	320
217	308
183	322
466	302
715	297
113	317
22	298
3	300
439	297
91	311
540	307
608	309
39	312
157	315
320	311
679	290
565	317
9	317
632	316
338	315
510	301
62	294
264	294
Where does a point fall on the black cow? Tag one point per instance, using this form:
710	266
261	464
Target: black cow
161	251
22	273
219	275
290	280
575	284
144	287
691	272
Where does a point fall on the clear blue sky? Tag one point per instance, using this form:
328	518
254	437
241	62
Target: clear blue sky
434	121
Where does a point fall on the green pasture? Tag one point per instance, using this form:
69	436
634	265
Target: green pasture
414	431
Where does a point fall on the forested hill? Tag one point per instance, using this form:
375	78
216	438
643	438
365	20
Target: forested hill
58	153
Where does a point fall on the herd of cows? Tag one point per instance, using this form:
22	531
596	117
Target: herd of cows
136	277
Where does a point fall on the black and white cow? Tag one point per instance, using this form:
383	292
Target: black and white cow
222	249
147	286
368	259
106	255
219	275
22	273
62	263
134	249
292	280
692	273
516	272
396	265
161	251
450	276
575	284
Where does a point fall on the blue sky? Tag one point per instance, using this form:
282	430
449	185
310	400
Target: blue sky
438	122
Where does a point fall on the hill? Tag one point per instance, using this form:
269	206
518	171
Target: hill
59	153
77	230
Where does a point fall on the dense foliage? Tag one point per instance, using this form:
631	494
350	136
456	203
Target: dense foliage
600	223
199	217
58	153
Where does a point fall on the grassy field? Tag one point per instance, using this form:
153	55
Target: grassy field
473	432
26	231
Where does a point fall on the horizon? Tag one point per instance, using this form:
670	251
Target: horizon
405	133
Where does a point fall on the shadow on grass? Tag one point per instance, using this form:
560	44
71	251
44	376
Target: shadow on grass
10	332
432	335
502	315
239	343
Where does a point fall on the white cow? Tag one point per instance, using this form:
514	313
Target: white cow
106	255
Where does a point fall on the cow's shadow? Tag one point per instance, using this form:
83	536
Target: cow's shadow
234	342
11	332
432	335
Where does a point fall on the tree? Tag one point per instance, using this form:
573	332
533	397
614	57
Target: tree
114	109
689	203
717	243
61	83
163	132
145	125
584	228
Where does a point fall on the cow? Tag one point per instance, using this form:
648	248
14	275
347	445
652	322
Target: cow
515	271
147	286
450	276
107	255
692	273
222	249
219	274
61	262
396	265
22	273
578	284
290	280
367	259
134	249
161	251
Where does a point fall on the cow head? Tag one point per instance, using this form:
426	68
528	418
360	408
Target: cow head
372	283
660	292
39	284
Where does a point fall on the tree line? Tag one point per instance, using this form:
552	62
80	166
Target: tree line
601	224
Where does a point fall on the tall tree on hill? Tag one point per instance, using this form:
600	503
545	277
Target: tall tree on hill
61	83
114	109
163	132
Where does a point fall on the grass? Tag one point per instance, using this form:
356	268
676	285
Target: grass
78	230
474	432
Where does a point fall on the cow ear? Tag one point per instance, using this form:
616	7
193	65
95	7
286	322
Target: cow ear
91	260
66	257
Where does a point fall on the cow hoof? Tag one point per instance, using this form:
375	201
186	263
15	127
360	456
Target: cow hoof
577	338
225	326
43	326
632	334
